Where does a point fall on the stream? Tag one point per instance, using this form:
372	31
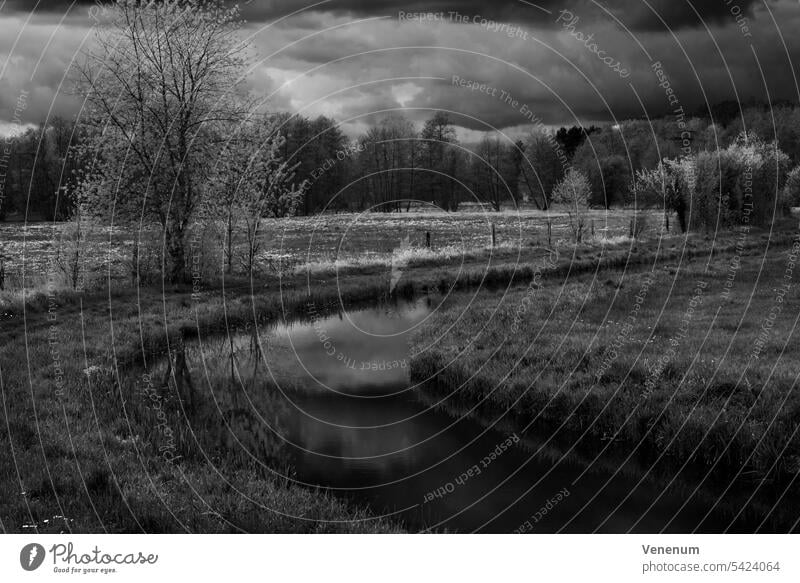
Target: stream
330	395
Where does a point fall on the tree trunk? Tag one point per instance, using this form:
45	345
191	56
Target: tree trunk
680	210
229	242
177	255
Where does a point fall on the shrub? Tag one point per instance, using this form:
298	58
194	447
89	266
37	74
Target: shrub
791	191
574	190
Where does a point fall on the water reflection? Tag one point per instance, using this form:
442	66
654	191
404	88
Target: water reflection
330	395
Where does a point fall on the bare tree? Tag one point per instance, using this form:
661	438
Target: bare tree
494	172
542	166
574	191
388	158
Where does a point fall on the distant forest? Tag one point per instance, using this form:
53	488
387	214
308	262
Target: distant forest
394	165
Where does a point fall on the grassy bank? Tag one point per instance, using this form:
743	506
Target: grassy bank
95	439
668	364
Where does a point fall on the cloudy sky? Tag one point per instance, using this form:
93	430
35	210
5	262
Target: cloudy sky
557	63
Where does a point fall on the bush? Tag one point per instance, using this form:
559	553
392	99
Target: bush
791	191
574	190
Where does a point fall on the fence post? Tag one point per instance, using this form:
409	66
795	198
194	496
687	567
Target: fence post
428	239
549	233
494	237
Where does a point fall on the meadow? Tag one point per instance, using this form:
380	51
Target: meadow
300	244
687	368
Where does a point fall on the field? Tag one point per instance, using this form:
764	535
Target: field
689	369
82	432
320	243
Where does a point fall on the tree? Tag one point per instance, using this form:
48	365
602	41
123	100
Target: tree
388	161
495	172
252	181
668	184
320	152
442	160
570	139
543	166
610	180
791	191
574	191
162	86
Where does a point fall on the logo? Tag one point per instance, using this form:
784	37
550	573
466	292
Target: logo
31	556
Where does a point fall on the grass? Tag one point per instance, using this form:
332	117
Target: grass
86	452
678	384
320	242
85	444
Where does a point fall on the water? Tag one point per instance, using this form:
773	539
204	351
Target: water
333	392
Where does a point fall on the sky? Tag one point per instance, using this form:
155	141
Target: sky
495	66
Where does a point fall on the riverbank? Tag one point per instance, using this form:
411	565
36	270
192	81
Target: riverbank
690	373
97	443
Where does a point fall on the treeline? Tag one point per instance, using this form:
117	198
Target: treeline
38	172
394	166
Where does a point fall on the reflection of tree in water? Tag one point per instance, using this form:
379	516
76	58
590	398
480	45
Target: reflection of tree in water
229	402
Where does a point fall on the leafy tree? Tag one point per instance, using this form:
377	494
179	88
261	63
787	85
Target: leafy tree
162	86
791	191
572	138
667	185
610	180
253	181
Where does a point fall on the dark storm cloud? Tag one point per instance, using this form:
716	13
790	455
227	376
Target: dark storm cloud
655	15
634	14
659	15
327	62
